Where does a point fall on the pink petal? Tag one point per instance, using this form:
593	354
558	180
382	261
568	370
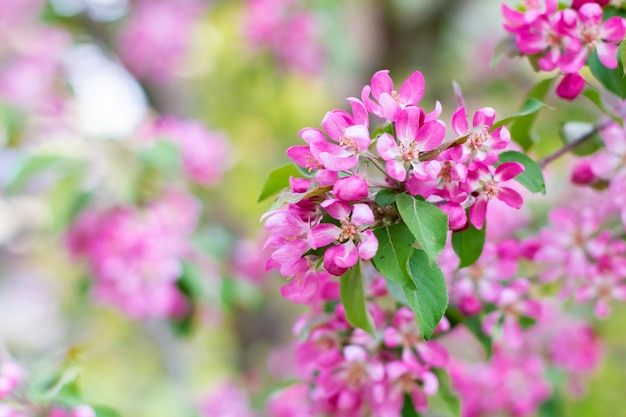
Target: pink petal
359	112
381	83
369	245
412	90
430	135
478	212
387	147
309	134
607	54
407	124
484	117
433	114
301	289
511	197
431	383
335	122
323	234
512	16
360	135
459	121
343	256
290	252
396	170
362	214
613	29
508	170
389	107
351	188
392	338
590	14
354	353
337	209
432	353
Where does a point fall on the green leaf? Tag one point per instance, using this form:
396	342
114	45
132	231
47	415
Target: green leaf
426	221
163	155
397	292
278	180
353	299
104	411
594	96
430	300
522	128
572	131
31	168
532	177
385	197
505	48
66	200
609	78
445	402
621	58
468	244
408	408
531	106
395	247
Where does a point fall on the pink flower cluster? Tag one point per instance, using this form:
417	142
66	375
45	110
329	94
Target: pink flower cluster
329	216
156	36
514	381
290	32
353	373
204	154
30	57
135	254
563	38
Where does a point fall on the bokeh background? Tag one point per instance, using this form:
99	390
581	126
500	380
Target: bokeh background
259	93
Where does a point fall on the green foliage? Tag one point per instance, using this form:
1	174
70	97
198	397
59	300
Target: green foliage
530	107
474	325
385	197
278	180
532	177
609	78
426	221
596	98
468	244
430	300
445	402
395	247
408	408
521	128
162	155
102	411
572	131
66	199
353	299
31	168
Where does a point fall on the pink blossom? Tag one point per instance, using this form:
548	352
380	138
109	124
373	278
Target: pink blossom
489	186
354	239
481	144
413	139
389	101
156	36
227	400
205	155
135	255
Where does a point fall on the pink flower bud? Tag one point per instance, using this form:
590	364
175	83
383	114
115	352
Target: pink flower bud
570	86
352	188
582	173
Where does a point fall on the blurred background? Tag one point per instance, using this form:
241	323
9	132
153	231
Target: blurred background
86	90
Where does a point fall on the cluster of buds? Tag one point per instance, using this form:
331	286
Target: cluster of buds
329	215
135	255
563	38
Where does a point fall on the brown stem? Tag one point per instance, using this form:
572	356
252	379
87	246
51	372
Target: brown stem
572	145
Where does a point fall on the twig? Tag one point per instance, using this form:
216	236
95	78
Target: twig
565	149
